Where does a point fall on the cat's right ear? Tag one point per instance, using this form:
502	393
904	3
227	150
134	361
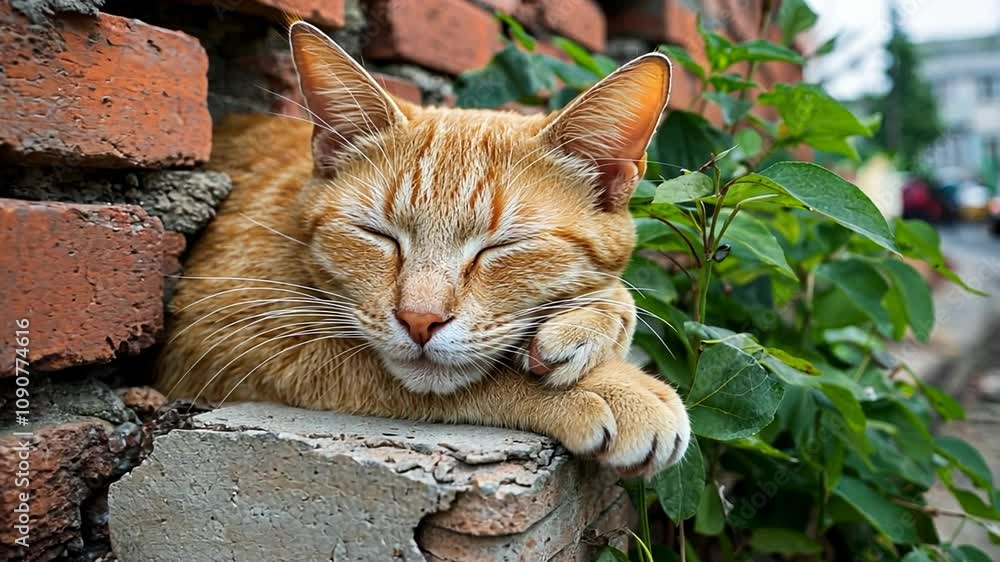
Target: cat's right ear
345	103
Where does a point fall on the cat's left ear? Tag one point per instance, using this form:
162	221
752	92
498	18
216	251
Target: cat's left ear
611	124
345	103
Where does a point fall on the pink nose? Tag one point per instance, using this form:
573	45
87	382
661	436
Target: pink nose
421	325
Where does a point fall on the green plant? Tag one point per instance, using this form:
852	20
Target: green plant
768	290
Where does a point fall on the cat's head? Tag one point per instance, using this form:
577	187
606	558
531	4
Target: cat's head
448	228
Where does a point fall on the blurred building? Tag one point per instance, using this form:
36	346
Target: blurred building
965	75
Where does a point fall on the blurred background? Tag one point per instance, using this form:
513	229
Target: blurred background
931	68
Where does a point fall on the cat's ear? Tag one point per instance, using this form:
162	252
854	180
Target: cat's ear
610	125
344	101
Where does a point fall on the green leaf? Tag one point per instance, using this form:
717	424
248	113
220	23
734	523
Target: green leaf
576	77
794	17
511	75
965	458
808	186
849	408
749	141
860	283
911	433
762	50
792	361
679	487
891	519
731	394
811	116
751	235
517	32
971	503
919	240
644	192
758	445
683	58
650	279
579	55
611	554
854	336
783	541
562	98
711	518
685	140
732	82
946	406
915	296
920	555
827	47
718	50
967	553
684	188
733	108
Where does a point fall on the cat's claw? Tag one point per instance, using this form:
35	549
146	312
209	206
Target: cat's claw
651	429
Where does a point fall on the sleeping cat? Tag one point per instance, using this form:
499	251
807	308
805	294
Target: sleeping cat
431	264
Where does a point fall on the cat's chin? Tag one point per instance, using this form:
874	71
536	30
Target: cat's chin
423	376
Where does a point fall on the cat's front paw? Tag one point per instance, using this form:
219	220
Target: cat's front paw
569	345
651	430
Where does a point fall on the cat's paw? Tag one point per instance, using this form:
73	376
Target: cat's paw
651	427
569	345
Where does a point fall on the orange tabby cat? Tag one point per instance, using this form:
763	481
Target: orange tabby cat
419	263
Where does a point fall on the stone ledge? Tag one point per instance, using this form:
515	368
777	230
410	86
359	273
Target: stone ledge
265	482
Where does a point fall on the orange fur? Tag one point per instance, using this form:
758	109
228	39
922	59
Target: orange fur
512	227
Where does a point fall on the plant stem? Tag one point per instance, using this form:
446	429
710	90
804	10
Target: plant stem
690	245
683	543
704	280
932	511
644	514
807	315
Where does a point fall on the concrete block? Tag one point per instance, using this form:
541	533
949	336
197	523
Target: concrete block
265	482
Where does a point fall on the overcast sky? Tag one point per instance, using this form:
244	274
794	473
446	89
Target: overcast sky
860	67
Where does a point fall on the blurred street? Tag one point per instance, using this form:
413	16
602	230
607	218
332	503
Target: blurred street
964	359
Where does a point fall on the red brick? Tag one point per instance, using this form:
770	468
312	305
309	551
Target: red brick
279	73
667	21
88	278
740	19
101	92
505	6
329	13
448	36
65	461
579	20
399	87
660	21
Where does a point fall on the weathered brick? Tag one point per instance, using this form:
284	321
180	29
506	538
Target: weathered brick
279	72
445	35
329	13
101	92
505	6
61	458
740	19
88	278
399	87
80	438
579	20
668	21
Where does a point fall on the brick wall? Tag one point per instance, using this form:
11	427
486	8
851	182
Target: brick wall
106	109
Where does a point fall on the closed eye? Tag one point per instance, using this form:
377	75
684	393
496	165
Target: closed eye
380	235
494	248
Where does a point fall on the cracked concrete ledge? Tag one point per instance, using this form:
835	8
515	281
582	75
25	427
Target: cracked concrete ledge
266	482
